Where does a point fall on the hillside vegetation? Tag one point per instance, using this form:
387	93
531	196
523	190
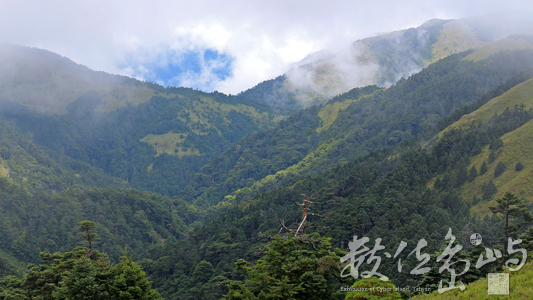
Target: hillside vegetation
155	142
411	165
373	118
25	164
514	149
48	83
402	192
519	288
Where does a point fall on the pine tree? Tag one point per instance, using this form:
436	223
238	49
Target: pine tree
472	173
492	157
488	189
518	167
475	200
80	274
496	144
484	168
500	168
291	268
514	213
87	228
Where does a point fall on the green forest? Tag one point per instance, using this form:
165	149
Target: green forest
193	195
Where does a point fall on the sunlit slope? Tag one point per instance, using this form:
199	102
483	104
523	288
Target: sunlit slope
520	288
516	148
518	95
511	43
455	36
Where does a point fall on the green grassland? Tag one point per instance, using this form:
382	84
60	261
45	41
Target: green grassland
203	112
516	147
455	37
520	288
170	143
510	43
329	113
520	94
201	117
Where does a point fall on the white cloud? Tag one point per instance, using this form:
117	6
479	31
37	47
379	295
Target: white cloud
264	37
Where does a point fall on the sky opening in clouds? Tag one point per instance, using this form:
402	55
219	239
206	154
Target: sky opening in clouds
228	46
197	68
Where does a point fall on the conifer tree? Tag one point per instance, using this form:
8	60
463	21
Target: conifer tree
514	214
492	157
472	173
488	189
500	168
87	228
484	168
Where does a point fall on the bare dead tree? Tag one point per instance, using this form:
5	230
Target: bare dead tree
302	226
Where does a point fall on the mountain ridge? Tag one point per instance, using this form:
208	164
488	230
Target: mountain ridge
381	60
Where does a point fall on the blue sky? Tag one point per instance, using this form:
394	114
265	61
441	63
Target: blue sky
228	46
200	69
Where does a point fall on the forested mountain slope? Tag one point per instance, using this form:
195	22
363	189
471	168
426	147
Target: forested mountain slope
395	164
388	194
152	137
352	125
125	219
25	164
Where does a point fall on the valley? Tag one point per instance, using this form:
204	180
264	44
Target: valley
193	189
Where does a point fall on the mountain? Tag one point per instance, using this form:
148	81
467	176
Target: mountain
511	150
152	137
382	60
47	82
381	163
351	125
391	164
25	164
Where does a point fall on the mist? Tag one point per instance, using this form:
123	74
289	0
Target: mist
263	38
385	59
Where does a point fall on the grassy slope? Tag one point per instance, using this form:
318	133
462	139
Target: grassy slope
455	37
48	83
516	147
328	114
197	115
520	94
520	288
511	43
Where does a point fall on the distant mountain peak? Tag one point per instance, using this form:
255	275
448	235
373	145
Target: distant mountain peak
380	60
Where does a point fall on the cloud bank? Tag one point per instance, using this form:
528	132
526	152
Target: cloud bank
227	46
